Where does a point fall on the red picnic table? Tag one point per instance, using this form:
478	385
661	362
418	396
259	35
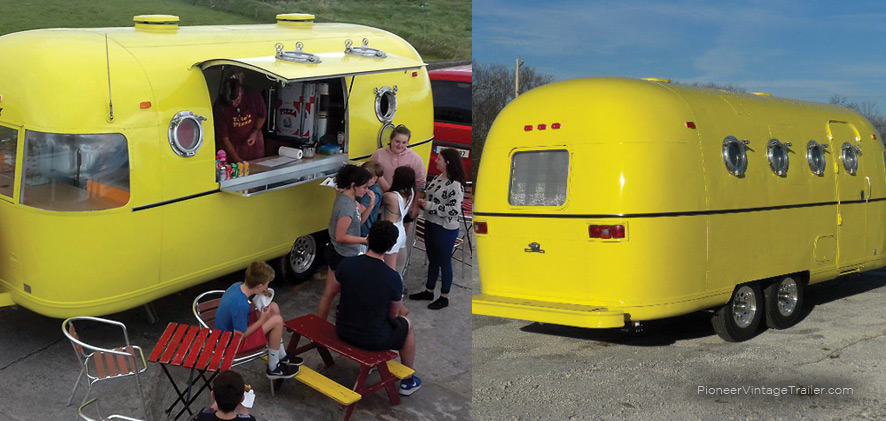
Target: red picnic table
198	349
323	338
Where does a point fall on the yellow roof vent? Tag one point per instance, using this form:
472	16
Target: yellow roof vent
762	93
655	79
156	21
295	19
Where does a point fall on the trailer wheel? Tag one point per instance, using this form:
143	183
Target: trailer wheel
784	301
740	318
299	264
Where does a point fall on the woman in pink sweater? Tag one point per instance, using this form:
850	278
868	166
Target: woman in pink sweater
397	154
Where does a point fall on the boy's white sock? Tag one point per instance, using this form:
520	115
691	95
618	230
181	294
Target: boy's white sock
282	351
273	358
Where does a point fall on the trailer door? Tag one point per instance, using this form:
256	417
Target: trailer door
852	195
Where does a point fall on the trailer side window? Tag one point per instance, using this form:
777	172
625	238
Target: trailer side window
539	178
75	173
8	144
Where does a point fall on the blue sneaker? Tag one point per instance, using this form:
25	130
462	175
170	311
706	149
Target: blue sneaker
410	385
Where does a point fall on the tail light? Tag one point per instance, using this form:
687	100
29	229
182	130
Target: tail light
607	231
480	228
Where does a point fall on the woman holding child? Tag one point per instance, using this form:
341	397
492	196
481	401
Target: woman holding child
344	228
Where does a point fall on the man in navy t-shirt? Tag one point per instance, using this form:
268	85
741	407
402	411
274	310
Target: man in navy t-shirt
370	302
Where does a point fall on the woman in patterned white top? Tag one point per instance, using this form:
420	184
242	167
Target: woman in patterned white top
442	207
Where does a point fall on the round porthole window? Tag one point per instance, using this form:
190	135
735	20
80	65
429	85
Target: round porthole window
186	133
777	152
850	158
816	158
384	134
735	156
385	103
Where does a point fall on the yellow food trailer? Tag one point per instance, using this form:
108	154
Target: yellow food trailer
605	202
109	192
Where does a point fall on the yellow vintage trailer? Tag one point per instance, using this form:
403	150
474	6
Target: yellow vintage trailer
108	189
605	202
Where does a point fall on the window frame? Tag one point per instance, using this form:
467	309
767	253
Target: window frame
511	166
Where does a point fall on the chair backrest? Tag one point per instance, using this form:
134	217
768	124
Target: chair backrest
205	306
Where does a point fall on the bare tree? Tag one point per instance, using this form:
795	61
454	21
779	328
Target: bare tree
493	88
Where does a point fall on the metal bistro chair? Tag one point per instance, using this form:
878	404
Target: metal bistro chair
102	363
83	416
205	306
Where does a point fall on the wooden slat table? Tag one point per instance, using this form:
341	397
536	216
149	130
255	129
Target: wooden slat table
198	349
323	338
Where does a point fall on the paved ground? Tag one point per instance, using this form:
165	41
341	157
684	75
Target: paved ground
38	367
533	371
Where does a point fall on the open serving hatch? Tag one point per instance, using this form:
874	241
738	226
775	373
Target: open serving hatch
307	96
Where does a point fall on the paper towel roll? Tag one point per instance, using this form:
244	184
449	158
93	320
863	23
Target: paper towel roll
290	152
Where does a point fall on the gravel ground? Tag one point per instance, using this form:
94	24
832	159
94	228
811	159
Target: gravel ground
680	369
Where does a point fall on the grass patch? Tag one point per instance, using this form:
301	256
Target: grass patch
17	15
438	29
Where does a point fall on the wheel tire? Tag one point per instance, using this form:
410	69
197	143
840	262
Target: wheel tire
784	302
740	318
299	264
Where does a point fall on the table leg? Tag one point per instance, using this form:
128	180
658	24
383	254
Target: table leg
174	386
292	345
324	353
206	383
390	383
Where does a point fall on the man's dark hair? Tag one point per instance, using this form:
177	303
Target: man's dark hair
228	389
382	236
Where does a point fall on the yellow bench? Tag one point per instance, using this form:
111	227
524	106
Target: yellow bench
399	371
327	386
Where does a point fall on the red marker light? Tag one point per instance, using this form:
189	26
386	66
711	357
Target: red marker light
542	126
527	128
555	126
414	74
606	232
145	105
873	136
480	228
690	124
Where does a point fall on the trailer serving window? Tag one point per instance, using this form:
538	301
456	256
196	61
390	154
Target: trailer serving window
538	178
310	90
8	144
75	172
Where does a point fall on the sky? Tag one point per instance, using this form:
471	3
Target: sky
807	50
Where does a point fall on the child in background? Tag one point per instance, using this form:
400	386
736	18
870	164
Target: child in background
372	199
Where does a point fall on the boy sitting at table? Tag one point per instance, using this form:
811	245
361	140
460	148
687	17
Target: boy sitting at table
259	328
369	308
227	393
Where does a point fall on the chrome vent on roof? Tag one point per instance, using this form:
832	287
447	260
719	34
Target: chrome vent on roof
297	55
364	50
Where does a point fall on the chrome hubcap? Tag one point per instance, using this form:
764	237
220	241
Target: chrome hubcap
303	253
744	306
788	294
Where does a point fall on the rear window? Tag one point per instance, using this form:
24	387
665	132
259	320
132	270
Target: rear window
538	178
8	143
452	101
66	172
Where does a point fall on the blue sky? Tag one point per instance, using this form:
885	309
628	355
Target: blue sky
796	49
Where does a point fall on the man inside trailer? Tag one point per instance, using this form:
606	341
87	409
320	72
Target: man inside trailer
240	114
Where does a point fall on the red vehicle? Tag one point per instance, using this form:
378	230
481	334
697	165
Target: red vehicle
452	114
